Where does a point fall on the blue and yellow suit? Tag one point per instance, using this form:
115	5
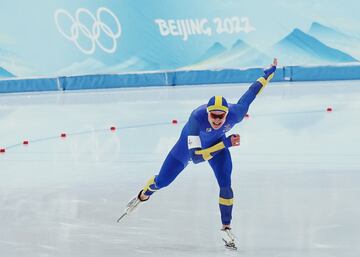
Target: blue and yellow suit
199	142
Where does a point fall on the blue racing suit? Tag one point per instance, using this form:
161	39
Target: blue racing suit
199	142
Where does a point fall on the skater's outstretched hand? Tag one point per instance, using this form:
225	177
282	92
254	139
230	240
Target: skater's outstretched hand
275	62
270	71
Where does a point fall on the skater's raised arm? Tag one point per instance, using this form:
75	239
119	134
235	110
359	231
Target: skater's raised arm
255	88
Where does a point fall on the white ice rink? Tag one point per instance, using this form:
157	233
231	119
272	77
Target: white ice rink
296	175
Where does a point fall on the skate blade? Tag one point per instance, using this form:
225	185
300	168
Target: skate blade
230	246
122	216
131	206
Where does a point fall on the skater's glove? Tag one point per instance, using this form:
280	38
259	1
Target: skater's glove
232	140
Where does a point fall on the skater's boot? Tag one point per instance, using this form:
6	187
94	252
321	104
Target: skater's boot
228	238
134	202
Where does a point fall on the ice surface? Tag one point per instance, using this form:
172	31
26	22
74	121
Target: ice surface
296	175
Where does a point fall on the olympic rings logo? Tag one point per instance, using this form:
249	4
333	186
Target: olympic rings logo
93	33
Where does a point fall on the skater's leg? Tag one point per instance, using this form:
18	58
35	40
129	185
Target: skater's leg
222	166
170	169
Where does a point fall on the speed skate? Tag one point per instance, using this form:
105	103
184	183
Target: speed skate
131	206
228	238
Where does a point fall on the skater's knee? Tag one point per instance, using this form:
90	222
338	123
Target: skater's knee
161	182
226	192
169	171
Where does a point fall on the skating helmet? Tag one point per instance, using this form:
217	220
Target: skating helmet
217	103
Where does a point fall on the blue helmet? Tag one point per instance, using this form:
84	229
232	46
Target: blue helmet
217	103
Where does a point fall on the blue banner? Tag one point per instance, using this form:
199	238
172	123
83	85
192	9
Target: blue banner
64	38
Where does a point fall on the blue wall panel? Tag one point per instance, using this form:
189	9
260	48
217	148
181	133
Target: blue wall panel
28	85
173	78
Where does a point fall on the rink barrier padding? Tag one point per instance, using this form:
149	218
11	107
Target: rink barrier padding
177	78
29	85
112	81
299	73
